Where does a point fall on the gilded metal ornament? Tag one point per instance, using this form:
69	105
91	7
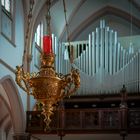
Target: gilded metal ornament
47	86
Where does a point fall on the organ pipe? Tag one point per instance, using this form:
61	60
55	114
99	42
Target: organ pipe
89	55
93	55
101	61
97	49
106	49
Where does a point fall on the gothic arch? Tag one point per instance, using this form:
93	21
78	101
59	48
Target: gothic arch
107	10
15	104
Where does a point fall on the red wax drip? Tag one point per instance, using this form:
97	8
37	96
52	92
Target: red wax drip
47	44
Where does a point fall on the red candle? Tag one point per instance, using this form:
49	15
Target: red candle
47	44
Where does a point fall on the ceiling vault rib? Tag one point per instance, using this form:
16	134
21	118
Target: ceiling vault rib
107	10
135	4
71	17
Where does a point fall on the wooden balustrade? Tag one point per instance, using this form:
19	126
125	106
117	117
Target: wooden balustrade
106	120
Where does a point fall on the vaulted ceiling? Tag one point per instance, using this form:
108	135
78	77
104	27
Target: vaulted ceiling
84	15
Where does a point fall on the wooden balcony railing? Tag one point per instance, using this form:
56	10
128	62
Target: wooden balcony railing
106	120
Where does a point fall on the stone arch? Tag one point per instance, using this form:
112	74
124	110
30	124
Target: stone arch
6	125
15	104
5	112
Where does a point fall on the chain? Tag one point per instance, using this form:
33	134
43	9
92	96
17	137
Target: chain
48	17
131	18
67	31
29	17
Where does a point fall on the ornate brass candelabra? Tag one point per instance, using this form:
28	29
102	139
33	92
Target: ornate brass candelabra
47	86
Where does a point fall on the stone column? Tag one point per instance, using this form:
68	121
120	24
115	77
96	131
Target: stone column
21	136
2	134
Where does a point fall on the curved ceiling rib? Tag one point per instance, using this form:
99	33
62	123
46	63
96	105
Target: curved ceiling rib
71	17
136	4
107	10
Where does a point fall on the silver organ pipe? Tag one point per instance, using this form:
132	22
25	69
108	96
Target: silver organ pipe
66	60
93	55
103	63
101	45
56	52
53	42
97	49
84	62
81	62
89	55
127	57
59	57
118	56
86	59
63	69
121	60
106	49
137	71
115	52
110	51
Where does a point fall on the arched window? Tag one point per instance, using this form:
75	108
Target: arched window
7	19
38	38
6	4
39	34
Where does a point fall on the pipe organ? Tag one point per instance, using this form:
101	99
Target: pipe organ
104	64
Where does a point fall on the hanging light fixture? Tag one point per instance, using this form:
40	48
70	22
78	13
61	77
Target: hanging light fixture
47	86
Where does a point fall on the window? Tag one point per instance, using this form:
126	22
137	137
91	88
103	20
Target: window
38	38
39	35
6	4
7	25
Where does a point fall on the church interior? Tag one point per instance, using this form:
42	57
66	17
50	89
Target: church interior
69	69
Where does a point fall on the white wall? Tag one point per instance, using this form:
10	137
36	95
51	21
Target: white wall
11	52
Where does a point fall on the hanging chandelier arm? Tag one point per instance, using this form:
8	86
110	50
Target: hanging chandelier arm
22	79
72	82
